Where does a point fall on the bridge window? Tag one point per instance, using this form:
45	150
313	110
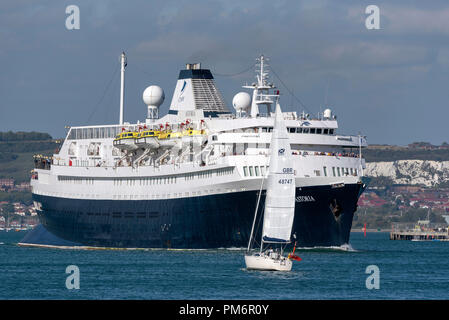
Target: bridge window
305	130
312	130
245	171
72	134
298	130
331	131
72	148
318	130
326	131
96	133
94	149
292	130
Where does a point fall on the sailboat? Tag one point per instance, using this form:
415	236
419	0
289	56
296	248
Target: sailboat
279	205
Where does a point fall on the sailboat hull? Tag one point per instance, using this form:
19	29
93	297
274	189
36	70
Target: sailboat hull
266	263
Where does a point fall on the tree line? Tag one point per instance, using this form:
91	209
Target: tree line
24	136
372	155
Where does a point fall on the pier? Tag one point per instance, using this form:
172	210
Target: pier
422	231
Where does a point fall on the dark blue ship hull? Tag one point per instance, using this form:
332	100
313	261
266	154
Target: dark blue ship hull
323	217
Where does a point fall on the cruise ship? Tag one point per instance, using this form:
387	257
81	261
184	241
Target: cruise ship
191	178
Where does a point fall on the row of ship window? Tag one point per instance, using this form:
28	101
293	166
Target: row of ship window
112	131
171	195
310	130
118	214
338	172
97	133
149	215
294	130
76	180
151	181
256	171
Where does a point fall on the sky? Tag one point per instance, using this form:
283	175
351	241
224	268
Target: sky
390	84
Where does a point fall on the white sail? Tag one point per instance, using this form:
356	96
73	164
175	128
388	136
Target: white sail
280	199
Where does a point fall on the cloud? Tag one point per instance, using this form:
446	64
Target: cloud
376	53
413	20
309	42
171	45
443	57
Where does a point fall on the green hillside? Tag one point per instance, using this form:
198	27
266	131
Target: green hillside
393	153
24	136
17	150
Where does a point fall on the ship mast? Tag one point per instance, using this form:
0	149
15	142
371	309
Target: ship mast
122	84
261	88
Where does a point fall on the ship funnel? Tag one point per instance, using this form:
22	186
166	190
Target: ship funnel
193	66
196	90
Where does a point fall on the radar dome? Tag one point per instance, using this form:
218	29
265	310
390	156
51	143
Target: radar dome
241	101
327	113
153	96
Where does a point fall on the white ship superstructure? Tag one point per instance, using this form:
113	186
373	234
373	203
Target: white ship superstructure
198	151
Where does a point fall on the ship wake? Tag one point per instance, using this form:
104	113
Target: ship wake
344	247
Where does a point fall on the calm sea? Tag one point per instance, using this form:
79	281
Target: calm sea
407	270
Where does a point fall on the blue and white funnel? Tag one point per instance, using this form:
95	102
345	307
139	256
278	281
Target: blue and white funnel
196	90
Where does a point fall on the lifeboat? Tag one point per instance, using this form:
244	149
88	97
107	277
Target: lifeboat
148	139
126	141
169	139
196	136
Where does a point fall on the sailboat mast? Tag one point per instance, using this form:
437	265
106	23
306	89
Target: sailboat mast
261	238
255	215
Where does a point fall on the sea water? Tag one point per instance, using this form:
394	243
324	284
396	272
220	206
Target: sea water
406	270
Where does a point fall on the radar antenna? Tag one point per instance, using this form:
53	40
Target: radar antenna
261	89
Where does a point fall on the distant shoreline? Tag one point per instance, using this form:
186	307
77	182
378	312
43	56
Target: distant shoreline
370	230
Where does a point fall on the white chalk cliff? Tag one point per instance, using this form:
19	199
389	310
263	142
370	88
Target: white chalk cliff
415	172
